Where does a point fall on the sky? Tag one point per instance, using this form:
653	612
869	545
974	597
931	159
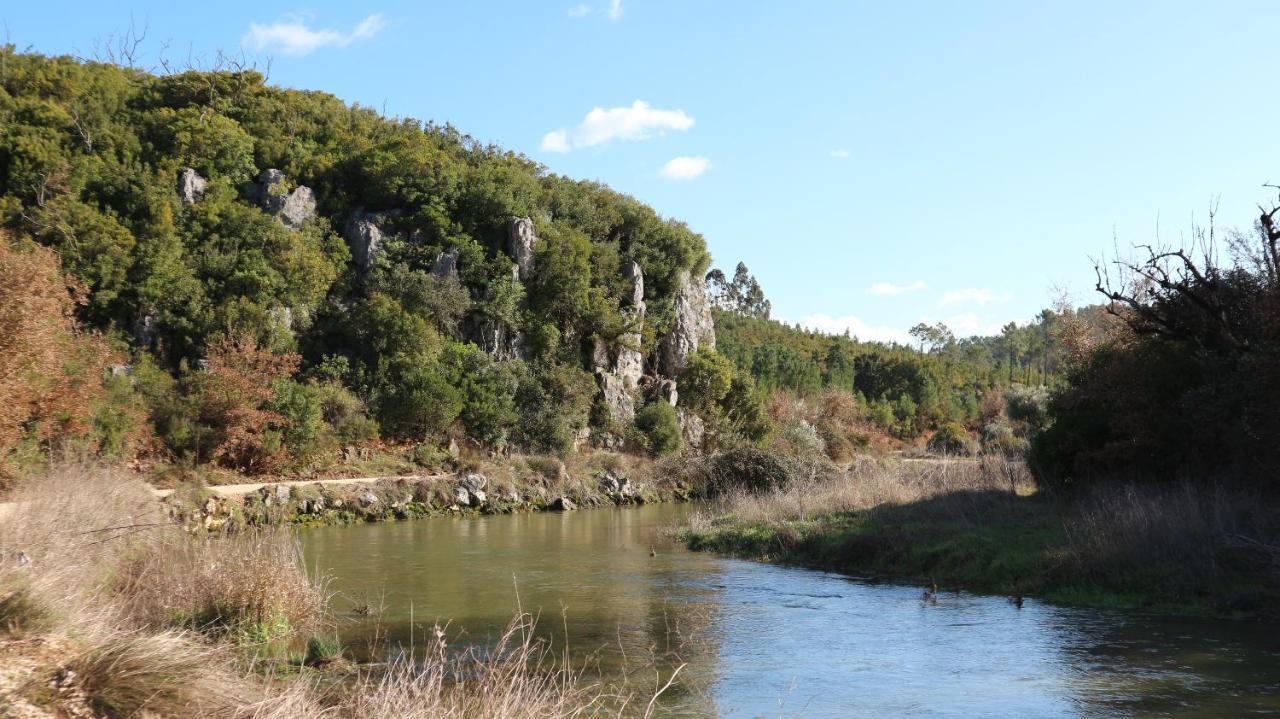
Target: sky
875	164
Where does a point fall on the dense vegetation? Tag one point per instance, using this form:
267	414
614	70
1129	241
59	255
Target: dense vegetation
254	339
1185	385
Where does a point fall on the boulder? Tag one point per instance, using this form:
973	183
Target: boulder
521	242
478	497
473	482
563	504
296	208
367	499
461	496
692	429
364	237
692	329
191	186
293	208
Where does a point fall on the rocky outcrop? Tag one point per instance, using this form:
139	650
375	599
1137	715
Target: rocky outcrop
618	375
446	264
692	429
521	243
191	186
364	236
294	208
496	338
693	328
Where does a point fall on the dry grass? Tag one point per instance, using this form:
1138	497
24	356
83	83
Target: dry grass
818	489
90	564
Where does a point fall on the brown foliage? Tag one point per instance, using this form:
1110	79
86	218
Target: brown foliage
235	395
50	372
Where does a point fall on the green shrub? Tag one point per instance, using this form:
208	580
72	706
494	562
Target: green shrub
951	438
660	425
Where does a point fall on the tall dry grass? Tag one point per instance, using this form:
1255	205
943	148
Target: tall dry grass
817	489
150	620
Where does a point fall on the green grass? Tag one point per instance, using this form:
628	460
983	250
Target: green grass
988	543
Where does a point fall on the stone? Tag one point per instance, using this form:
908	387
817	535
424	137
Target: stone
693	328
461	496
367	499
282	317
446	264
454	450
692	428
497	339
474	482
297	207
478	497
521	243
563	504
120	370
617	397
191	186
364	237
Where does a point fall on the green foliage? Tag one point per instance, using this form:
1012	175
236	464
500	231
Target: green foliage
706	381
952	439
90	158
660	425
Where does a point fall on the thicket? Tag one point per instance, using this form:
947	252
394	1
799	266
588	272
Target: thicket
1186	385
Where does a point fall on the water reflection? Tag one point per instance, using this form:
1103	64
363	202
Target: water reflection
768	641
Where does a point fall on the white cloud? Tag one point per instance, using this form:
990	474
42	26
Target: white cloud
840	153
615	9
968	324
685	168
639	121
888	288
971	295
579	11
855	327
295	38
555	141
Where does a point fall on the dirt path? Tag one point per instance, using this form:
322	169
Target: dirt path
239	490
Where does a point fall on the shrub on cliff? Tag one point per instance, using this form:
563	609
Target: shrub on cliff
660	425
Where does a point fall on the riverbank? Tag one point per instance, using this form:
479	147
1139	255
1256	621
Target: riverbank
109	609
983	526
498	485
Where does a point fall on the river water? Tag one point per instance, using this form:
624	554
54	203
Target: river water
759	640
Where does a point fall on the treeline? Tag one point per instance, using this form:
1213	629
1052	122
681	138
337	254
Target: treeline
908	391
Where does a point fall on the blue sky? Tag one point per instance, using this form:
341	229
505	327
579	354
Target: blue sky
874	164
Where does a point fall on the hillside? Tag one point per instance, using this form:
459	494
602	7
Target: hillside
380	276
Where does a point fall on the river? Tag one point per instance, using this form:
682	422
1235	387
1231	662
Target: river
760	640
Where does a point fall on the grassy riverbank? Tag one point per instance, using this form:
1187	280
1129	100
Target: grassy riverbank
985	527
109	609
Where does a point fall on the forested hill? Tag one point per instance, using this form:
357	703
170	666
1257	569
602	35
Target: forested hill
420	274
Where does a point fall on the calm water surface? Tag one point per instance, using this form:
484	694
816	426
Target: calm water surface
758	640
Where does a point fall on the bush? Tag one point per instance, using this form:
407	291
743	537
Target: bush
746	468
951	438
660	425
999	438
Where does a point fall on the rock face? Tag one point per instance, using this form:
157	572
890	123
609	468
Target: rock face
191	186
693	328
692	429
293	208
521	241
364	237
619	376
446	264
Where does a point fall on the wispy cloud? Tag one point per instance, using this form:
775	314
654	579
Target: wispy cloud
889	289
840	153
856	327
613	11
297	39
639	121
685	168
971	295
